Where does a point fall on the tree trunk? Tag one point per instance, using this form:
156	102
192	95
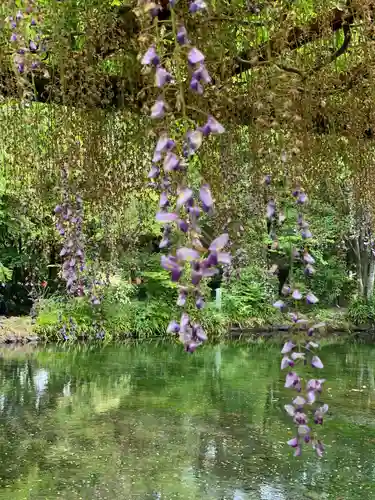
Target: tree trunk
370	278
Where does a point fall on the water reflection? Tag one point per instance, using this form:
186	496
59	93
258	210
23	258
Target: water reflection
150	422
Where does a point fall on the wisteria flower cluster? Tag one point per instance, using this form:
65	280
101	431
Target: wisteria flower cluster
307	400
69	225
26	37
182	208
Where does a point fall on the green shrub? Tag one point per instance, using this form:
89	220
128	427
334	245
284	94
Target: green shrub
247	298
361	312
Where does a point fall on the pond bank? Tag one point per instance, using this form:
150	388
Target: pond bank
20	331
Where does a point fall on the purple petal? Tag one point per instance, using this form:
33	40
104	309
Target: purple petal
196	86
181	36
224	258
173	327
197	5
206	197
299	401
184	196
279	304
291	379
316	362
171	162
194	140
201	74
296	295
308	258
158	109
298	451
163	200
200	303
290	410
288	346
271	208
219	243
293	442
165	217
214	126
154	172
311	298
311	396
183	225
162	76
184	322
285	290
186	254
150	57
195	56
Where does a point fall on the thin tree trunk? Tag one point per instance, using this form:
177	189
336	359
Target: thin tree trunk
370	278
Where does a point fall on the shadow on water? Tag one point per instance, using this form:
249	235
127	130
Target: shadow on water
146	421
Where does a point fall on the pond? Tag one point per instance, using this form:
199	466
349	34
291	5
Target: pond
151	422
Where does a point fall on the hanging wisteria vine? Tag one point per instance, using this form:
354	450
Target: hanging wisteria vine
170	158
308	399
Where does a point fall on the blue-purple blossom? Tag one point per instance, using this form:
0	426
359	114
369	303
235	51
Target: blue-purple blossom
197	5
212	126
288	346
181	36
164	144
195	56
297	295
158	109
13	37
171	162
311	298
162	76
33	47
194	141
184	197
170	264
206	197
166	217
173	327
154	172
279	304
316	362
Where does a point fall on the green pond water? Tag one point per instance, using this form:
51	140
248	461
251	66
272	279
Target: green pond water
151	422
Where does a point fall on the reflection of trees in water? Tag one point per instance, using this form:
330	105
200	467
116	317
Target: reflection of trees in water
120	423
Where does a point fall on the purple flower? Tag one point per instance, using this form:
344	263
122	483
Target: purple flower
166	217
183	225
296	295
194	141
154	172
201	74
279	304
267	180
311	298
293	442
164	144
288	346
309	270
197	5
285	290
19	15
293	381
173	327
286	362
299	401
316	362
158	109
171	162
199	303
182	296
302	198
195	56
33	46
163	200
13	37
206	198
181	36
33	22
196	86
184	196
186	253
219	243
170	264
212	126
150	57
308	258
162	76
